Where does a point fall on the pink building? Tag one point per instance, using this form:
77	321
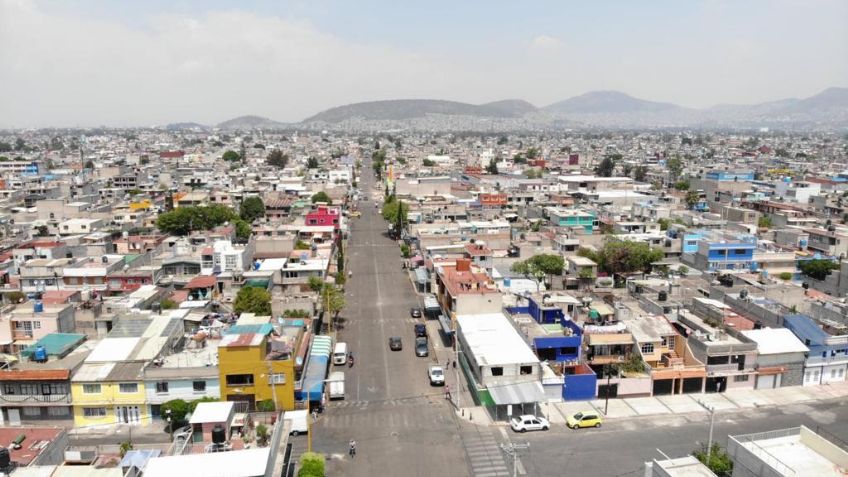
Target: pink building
207	416
324	215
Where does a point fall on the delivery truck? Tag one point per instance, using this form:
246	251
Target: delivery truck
336	385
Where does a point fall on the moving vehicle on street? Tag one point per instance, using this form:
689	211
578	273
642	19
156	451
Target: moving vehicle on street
415	312
340	354
420	330
422	350
436	374
529	422
584	419
395	343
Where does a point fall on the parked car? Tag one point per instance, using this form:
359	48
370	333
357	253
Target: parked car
421	348
437	375
415	312
529	422
395	343
420	330
584	419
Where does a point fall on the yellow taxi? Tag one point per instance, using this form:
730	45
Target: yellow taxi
584	419
356	213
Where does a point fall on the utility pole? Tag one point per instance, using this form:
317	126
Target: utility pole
711	410
608	371
512	451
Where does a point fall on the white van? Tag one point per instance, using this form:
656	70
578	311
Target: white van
298	421
340	353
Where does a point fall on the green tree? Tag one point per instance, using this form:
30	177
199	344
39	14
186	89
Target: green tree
502	140
540	266
332	299
253	300
89	165
716	459
243	230
168	304
664	223
817	268
301	245
533	173
312	163
681	185
231	156
311	465
606	167
492	167
251	208
43	231
276	158
316	283
764	222
178	410
785	276
404	250
392	208
184	220
675	167
322	197
15	297
623	256
427	163
532	153
640	173
692	198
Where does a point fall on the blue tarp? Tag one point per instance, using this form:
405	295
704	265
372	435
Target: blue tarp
313	385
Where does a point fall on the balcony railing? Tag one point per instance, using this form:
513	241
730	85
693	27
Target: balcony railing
22	335
36	398
724	368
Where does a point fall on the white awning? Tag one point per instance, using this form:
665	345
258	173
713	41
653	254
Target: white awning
520	393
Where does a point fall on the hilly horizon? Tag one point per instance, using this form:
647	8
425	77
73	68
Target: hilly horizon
603	108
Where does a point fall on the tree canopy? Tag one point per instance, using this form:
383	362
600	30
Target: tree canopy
231	156
252	208
312	163
492	167
332	299
184	220
322	197
623	256
253	300
276	158
817	268
692	198
675	167
391	209
606	167
540	266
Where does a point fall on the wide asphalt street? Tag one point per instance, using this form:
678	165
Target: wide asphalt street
402	425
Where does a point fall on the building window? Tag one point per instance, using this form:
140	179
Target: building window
162	387
525	370
278	378
199	386
128	388
239	380
832	374
29	389
32	411
94	411
568	350
648	348
740	378
36	325
497	371
10	389
91	389
58	411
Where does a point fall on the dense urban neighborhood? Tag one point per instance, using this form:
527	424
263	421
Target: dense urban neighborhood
256	302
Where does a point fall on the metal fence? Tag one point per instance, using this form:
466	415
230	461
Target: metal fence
746	451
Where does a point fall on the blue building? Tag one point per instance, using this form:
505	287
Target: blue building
730	175
827	360
731	254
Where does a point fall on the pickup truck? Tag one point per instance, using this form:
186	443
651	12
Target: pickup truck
336	385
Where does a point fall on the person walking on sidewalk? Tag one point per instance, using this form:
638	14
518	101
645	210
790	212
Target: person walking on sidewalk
352	450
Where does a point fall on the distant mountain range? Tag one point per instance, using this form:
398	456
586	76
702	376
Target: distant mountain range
826	110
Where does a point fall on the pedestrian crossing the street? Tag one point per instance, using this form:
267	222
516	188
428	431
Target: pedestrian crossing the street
485	456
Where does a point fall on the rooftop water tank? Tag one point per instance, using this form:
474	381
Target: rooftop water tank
40	355
38	307
219	435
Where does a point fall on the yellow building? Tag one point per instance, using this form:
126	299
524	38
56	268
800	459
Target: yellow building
251	372
143	204
109	393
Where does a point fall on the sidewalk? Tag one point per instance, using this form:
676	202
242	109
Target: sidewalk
734	400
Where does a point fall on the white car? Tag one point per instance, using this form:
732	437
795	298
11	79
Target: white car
437	375
529	422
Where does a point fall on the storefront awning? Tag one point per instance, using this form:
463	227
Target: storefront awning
521	393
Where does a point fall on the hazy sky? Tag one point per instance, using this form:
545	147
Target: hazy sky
120	63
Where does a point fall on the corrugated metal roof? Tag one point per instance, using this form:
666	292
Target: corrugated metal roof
519	393
56	344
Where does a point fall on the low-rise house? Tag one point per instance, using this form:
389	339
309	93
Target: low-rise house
730	358
463	290
780	359
827	361
254	368
29	322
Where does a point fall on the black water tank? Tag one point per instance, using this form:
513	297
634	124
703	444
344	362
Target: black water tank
662	295
5	458
219	435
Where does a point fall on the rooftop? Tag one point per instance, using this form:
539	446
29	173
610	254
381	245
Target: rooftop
797	452
37	439
212	412
776	341
493	339
242	463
